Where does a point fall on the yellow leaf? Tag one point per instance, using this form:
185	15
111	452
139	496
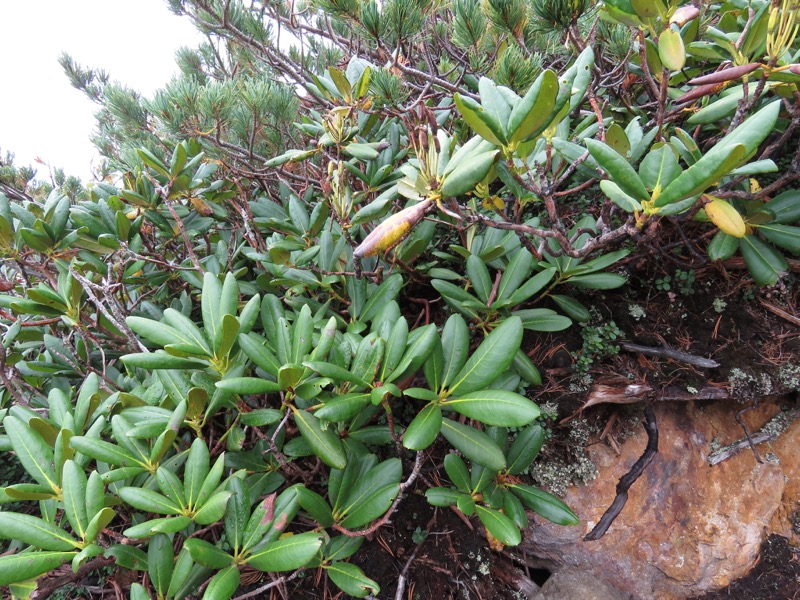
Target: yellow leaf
726	217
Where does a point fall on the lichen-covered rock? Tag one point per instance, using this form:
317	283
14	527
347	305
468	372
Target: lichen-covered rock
574	584
687	527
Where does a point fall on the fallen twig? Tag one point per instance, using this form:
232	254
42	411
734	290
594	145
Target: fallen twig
627	480
697	361
771	431
603	393
780	312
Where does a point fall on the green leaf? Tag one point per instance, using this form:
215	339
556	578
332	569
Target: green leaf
469	172
533	113
212	509
525	448
223	585
315	505
784	236
160	562
491	358
495	407
334	372
542	319
343	407
32	451
618	169
479	276
525	368
74	493
207	554
325	443
785	206
35	532
547	505
518	269
572	307
618	197
424	428
159	525
659	167
254	347
722	246
369	497
474	444
287	554
439	496
149	501
19	567
531	287
248	385
98	522
351	580
161	360
385	293
457	471
500	526
260	417
479	120
598	281
195	471
765	264
210	306
129	557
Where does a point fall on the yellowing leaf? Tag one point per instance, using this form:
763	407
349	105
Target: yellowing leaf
726	217
671	50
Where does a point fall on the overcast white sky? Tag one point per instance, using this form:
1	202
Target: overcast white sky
41	114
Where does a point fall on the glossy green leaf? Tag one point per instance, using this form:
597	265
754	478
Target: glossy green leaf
531	115
618	197
474	444
457	471
207	554
248	385
525	368
618	169
785	206
385	293
343	407
495	407
149	501
22	566
479	120
493	356
160	360
212	509
424	428
335	372
531	287
722	246
287	554
74	494
471	171
315	505
351	580
159	525
499	525
439	496
35	531
223	585
545	504
765	264
323	441
129	557
525	448
160	562
479	276
783	236
32	451
253	345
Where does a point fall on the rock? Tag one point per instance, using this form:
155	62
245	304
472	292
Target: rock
574	584
687	527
